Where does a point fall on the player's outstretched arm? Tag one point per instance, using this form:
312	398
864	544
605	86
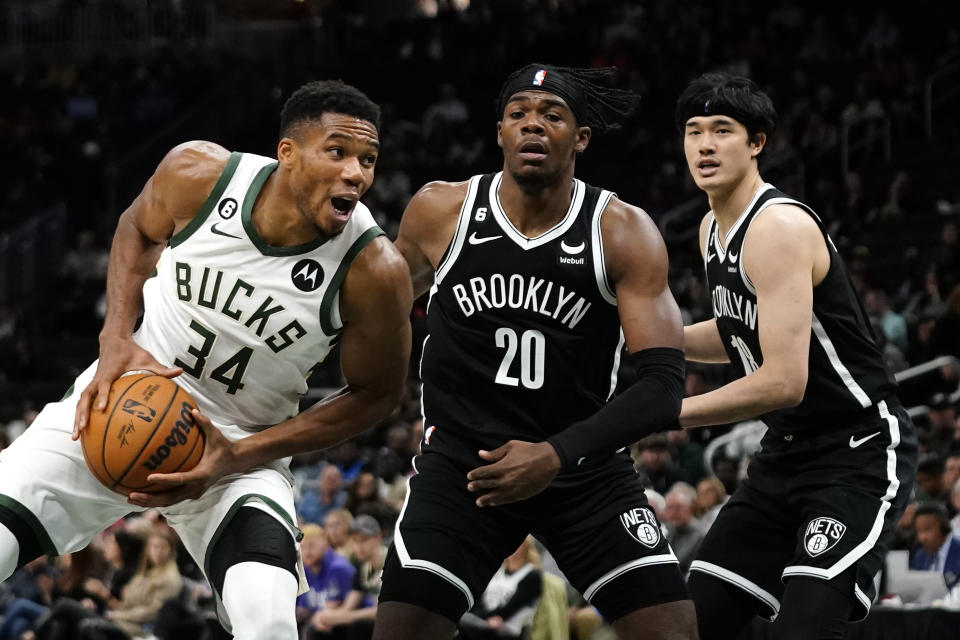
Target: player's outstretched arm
782	252
375	303
426	229
169	200
636	262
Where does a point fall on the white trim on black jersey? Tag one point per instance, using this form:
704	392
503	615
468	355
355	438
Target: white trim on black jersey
870	541
732	231
616	365
599	264
514	234
855	389
663	558
736	579
456	243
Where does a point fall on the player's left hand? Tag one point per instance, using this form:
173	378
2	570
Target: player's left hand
517	470
217	461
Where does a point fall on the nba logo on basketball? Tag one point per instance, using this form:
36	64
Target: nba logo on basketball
822	534
642	526
539	77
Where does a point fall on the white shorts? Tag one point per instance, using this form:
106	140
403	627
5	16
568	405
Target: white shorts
43	473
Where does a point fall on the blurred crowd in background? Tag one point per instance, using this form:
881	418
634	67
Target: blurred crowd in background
82	125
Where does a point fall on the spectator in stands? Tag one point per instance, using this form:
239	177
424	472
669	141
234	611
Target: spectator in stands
350	460
727	470
939	550
354	620
937	435
329	576
337	527
329	495
946	333
689	455
33	587
955	505
683	531
930	478
156	581
508	603
364	497
655	463
711	496
951	473
893	325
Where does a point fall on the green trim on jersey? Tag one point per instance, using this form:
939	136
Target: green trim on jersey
198	219
247	217
326	321
33	522
69	392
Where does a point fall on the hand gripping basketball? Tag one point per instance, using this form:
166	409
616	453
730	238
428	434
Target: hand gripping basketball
117	356
219	459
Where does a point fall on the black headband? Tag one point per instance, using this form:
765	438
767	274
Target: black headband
551	80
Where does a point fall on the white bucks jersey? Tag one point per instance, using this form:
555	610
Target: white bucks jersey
246	321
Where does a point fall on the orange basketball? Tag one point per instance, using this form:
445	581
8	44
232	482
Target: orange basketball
147	427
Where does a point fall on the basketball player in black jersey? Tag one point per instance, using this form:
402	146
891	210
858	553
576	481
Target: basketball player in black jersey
533	274
803	537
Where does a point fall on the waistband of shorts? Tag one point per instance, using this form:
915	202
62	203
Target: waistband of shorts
836	423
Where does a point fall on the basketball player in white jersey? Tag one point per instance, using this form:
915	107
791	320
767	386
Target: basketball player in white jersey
261	265
803	537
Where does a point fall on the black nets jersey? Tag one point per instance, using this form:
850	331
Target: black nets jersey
846	372
524	336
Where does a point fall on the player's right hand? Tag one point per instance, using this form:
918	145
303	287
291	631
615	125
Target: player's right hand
117	356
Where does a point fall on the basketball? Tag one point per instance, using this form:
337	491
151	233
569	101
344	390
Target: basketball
147	427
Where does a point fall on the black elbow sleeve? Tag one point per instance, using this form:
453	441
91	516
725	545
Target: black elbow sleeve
649	402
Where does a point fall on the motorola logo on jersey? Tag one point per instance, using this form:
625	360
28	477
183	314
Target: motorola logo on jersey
226	208
642	526
822	534
307	275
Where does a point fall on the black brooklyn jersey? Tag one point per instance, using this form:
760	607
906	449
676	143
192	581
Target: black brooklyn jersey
524	336
847	373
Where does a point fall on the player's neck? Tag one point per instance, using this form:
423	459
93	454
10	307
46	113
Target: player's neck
277	218
535	210
728	204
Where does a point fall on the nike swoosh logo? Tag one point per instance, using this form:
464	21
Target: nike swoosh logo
223	233
473	239
854	443
733	256
572	250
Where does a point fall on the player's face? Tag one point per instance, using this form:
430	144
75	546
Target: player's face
539	136
719	151
330	165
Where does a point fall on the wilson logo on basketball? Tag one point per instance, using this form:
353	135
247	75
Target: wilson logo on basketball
141	411
177	437
642	526
822	534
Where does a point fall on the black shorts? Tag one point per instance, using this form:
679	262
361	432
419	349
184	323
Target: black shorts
815	507
596	524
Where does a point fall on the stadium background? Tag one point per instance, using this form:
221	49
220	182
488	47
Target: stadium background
94	92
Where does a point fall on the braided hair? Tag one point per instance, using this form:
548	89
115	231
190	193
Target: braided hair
594	103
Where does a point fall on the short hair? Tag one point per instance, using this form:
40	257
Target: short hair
312	530
931	465
308	104
725	94
936	510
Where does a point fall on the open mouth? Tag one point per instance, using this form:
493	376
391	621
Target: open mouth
708	166
533	150
342	205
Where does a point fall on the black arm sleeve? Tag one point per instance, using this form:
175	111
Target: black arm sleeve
650	404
